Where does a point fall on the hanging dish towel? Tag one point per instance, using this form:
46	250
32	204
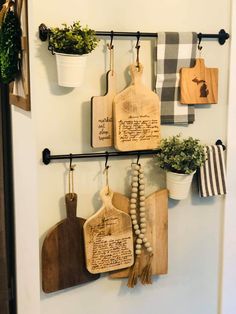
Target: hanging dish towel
212	179
174	51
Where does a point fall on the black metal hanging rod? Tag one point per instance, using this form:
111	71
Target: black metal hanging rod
222	36
47	157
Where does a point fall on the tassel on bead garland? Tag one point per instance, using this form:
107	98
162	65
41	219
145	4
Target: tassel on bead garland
133	273
146	275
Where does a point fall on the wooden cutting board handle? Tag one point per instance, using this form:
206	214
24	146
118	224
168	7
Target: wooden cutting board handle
71	205
136	73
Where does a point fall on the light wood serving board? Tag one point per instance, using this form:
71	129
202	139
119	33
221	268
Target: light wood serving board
108	238
102	126
136	116
199	85
157	231
63	260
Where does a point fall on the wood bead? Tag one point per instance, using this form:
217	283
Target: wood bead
143	225
133	216
149	249
132	206
142	198
132	212
134	184
135	173
137	232
134	222
141	170
141	204
147	244
136	227
138	246
138	252
141	187
143	230
134	190
135	179
141	236
139	241
143	219
133	201
134	195
136	167
144	240
142	209
141	193
141	181
142	215
141	176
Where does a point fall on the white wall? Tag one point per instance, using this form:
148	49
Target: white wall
60	120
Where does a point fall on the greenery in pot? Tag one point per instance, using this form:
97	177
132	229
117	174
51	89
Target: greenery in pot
181	155
72	39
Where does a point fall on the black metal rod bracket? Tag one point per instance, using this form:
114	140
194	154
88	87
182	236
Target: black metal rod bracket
222	36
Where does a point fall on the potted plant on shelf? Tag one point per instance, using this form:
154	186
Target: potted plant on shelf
180	158
71	44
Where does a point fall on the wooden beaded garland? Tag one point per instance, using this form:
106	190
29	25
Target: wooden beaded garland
138	191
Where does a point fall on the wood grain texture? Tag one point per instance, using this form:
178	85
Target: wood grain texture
108	238
102	125
199	85
136	116
157	231
63	260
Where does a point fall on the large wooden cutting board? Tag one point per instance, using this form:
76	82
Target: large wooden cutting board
102	126
199	85
157	231
63	260
136	116
108	237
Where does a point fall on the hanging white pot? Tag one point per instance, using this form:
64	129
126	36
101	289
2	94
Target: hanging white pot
70	69
178	184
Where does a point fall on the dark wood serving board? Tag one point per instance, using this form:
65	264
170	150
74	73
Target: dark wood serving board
63	260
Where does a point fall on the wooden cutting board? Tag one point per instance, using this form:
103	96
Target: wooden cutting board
199	85
63	260
102	126
108	238
157	231
136	116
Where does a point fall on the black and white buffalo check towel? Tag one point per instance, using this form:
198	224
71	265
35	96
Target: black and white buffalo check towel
174	51
212	179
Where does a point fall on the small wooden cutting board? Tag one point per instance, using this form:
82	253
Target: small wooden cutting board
102	125
199	85
136	116
63	260
108	237
157	231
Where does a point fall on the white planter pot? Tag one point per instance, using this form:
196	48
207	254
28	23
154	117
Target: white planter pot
178	184
70	69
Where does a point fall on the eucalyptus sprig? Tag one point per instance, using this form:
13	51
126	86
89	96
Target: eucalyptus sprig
180	155
72	39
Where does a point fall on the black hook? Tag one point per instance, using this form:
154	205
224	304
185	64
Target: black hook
110	46
138	157
107	156
199	41
71	168
137	46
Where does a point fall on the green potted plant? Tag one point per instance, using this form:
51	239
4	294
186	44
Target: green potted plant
71	45
180	158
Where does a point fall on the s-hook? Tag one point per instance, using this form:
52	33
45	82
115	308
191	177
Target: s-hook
137	46
106	172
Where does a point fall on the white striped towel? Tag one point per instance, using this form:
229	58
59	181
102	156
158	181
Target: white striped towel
212	180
